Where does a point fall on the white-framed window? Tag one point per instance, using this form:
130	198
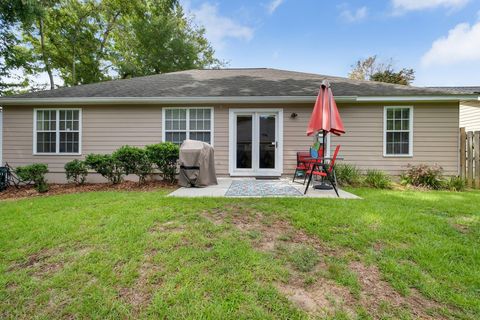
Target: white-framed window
57	131
194	123
398	131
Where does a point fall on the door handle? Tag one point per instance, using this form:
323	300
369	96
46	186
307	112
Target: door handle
275	143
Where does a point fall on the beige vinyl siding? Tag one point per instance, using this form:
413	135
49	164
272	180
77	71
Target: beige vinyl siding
105	128
435	137
470	116
221	139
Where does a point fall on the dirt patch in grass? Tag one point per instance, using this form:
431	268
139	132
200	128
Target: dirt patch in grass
34	259
323	298
311	285
376	291
139	295
46	262
169	226
56	189
464	224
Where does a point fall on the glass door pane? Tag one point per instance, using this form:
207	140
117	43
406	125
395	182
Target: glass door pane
244	141
267	141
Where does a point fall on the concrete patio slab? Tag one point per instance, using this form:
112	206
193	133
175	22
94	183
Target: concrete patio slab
223	185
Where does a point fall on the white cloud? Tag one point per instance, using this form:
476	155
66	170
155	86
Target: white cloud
273	5
461	45
354	16
218	27
411	5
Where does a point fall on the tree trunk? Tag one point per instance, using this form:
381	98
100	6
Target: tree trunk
74	53
73	68
44	56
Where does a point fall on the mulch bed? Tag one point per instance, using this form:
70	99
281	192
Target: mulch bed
54	189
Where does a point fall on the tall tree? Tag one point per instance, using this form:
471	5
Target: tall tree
364	69
404	76
372	69
85	41
12	55
160	38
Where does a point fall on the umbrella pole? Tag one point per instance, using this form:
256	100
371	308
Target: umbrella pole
323	185
324	138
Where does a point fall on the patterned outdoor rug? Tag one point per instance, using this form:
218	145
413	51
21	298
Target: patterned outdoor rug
254	188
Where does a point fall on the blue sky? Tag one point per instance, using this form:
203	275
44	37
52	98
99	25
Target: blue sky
440	39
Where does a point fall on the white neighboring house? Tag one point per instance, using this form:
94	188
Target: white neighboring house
469	110
470	116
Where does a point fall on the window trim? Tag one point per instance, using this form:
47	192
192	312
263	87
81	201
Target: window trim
57	131
410	133
187	127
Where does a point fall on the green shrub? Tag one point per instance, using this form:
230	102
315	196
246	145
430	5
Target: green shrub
377	179
348	174
135	161
106	165
76	171
165	156
455	184
423	175
34	173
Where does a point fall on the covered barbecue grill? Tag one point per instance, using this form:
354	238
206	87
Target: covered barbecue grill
197	165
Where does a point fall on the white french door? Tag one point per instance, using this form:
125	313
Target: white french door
256	137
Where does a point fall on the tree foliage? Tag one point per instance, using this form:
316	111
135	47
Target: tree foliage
13	56
86	41
163	41
404	76
373	69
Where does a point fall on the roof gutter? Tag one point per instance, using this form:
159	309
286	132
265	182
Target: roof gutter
164	100
218	100
446	98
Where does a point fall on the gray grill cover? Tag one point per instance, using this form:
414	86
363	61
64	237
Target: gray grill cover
195	153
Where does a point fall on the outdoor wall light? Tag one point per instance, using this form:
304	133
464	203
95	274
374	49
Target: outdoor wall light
293	115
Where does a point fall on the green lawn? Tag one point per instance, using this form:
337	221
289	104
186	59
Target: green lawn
113	255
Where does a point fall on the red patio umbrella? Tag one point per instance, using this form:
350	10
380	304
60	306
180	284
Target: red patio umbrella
325	117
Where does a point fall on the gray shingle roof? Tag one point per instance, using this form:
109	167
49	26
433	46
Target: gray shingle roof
459	90
232	83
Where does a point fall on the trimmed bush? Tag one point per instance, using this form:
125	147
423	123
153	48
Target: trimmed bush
106	165
377	179
456	184
76	171
165	156
34	173
135	161
348	174
423	175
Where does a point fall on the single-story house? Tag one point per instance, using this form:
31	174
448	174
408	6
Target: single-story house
255	119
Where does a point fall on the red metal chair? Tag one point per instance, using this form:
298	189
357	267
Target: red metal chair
305	163
302	165
326	171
